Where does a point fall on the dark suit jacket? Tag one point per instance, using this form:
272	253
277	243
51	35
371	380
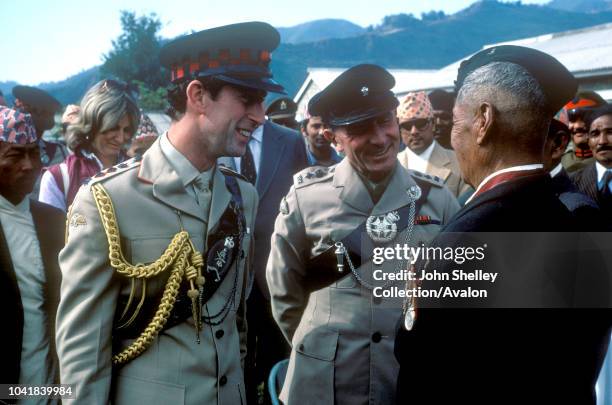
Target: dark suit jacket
283	154
582	207
586	182
488	355
50	226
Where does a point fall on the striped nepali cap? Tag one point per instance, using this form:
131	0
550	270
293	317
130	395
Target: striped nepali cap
146	128
415	105
16	126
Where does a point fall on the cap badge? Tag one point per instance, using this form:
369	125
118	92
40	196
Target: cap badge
364	91
283	105
382	228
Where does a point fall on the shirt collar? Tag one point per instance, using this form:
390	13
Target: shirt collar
556	170
426	154
534	166
21	207
312	160
257	135
186	171
601	170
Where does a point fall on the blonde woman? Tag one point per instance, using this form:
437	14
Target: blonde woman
107	121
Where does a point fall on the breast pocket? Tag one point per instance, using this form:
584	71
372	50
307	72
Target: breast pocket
310	375
134	390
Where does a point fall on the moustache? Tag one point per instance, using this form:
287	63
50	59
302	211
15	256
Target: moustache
603	148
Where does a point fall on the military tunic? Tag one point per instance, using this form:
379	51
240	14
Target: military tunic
151	205
341	335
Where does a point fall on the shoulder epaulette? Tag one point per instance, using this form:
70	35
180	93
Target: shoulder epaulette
114	170
419	176
312	175
229	172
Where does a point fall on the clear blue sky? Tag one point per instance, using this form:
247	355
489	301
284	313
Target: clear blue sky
46	41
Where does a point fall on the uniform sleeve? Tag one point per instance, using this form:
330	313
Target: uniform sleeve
241	319
285	271
451	205
50	192
87	305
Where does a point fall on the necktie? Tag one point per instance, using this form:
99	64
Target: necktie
604	185
247	166
203	194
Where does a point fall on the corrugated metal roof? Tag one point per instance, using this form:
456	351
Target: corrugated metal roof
587	49
585	52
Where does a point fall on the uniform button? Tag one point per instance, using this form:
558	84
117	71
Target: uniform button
219	334
301	348
376	336
223	380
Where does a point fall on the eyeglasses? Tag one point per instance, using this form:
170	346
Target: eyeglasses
419	123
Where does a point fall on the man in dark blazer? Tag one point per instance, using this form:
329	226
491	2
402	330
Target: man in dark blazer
277	153
511	346
582	207
31	236
594	180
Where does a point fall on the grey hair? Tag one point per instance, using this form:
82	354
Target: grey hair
102	108
516	95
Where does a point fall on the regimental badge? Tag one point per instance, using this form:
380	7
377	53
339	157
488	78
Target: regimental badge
284	207
77	220
283	105
382	228
364	91
414	192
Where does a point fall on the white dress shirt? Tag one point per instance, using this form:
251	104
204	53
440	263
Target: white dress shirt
37	366
419	162
255	143
601	170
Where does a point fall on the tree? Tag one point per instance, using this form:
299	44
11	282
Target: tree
135	53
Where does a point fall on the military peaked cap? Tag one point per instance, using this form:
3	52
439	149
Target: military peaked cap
237	54
557	83
283	107
360	93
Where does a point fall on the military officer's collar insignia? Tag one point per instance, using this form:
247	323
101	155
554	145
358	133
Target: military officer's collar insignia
284	207
77	220
364	91
320	172
382	228
414	192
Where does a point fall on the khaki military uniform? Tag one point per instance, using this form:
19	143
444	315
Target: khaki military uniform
342	336
151	205
443	164
572	163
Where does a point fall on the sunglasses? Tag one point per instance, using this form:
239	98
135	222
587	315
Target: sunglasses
116	85
419	123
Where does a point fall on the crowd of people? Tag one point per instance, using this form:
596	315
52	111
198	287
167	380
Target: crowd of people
228	260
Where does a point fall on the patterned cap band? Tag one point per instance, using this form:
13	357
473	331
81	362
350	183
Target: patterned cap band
222	60
16	126
414	105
